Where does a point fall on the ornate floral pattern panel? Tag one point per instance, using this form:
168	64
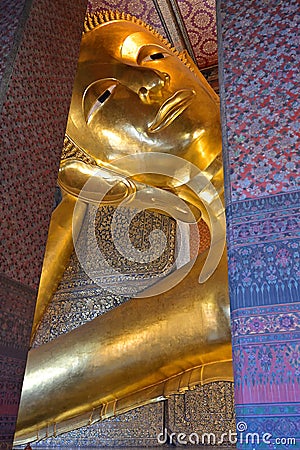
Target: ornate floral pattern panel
264	273
266	346
38	96
205	414
200	21
11	12
264	265
17	303
78	298
138	428
261	77
261	417
143	9
39	49
266	352
260	107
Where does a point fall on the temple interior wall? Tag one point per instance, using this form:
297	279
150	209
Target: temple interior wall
260	112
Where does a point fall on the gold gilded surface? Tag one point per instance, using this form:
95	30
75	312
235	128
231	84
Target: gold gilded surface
114	188
130	77
79	299
73	175
133	94
57	254
134	354
206	409
137	428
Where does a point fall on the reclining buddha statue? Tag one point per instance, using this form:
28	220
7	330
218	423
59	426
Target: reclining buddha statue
142	121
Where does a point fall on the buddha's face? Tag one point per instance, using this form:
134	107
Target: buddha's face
133	94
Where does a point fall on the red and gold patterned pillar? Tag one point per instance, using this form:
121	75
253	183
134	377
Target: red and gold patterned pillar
259	86
39	50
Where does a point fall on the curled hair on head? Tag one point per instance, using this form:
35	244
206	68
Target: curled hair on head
98	18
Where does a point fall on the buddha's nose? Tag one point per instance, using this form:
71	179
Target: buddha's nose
154	86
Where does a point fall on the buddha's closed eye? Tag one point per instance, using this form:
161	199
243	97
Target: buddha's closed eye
104	96
99	100
151	53
154	56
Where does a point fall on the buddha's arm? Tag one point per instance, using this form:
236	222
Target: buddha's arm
145	349
57	254
100	185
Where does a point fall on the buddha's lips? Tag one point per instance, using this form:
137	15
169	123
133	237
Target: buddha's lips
171	109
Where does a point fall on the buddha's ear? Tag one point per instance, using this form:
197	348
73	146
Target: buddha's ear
188	61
